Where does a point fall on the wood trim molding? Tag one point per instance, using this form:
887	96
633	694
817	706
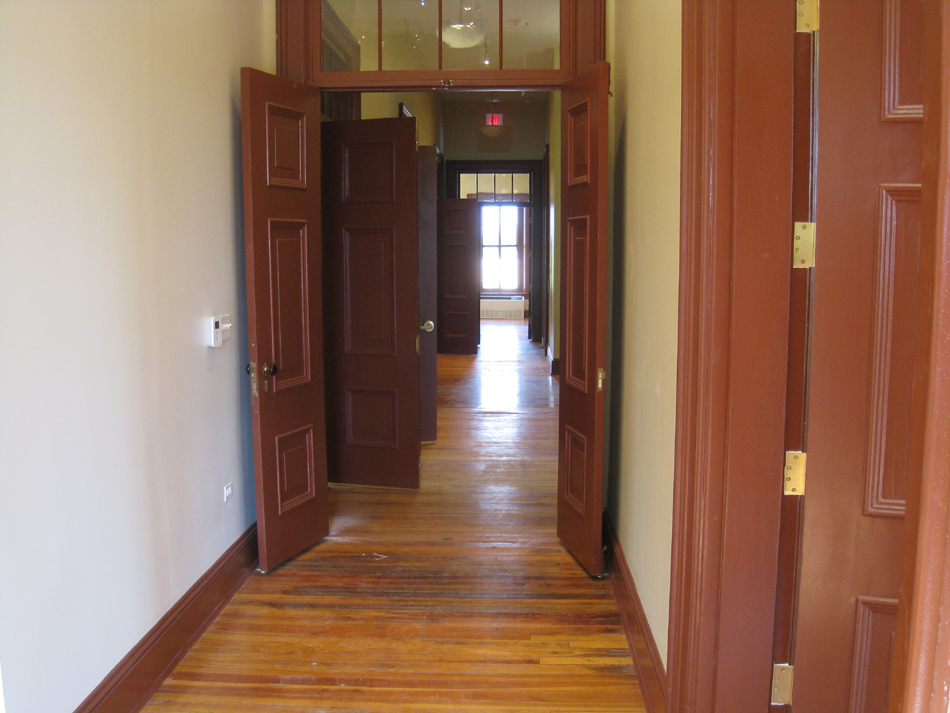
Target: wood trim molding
735	257
646	655
136	677
555	364
927	688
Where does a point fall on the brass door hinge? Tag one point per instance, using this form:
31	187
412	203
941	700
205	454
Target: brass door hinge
417	345
803	245
806	15
601	375
793	479
783	675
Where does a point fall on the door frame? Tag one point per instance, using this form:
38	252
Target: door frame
737	75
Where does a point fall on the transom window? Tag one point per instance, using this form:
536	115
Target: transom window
494	187
434	35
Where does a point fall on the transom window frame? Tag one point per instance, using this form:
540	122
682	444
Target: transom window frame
300	43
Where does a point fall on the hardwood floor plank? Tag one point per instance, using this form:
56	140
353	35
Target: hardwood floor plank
457	597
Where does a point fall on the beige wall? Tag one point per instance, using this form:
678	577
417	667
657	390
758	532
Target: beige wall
121	232
554	225
644	49
523	139
425	106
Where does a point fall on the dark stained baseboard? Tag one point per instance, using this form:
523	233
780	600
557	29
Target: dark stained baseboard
646	656
136	677
555	366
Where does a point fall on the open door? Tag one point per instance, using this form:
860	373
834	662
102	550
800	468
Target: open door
281	151
459	282
580	496
863	457
371	246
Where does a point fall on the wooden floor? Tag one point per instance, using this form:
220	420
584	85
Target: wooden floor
458	597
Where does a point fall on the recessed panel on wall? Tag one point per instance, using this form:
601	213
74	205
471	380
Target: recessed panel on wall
576	367
575	454
903	95
295	469
371	418
892	349
290	301
286	147
578	149
369	291
369	172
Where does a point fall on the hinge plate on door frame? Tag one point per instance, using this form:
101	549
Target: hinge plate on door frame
793	477
783	675
601	375
803	245
806	15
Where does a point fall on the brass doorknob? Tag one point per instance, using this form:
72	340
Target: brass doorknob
428	326
269	369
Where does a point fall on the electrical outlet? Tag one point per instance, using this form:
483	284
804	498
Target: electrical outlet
228	490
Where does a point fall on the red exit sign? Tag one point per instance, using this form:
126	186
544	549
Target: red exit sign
494	119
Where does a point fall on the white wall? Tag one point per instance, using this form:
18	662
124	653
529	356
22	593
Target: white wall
120	232
2	706
426	107
643	46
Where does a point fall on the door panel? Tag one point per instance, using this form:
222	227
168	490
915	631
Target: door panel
584	310
371	297
281	144
459	261
429	158
865	305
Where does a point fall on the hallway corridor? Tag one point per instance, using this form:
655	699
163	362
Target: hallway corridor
457	597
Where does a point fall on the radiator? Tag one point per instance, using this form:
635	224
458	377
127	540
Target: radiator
503	309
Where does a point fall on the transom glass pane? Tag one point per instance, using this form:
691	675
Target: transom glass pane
486	186
470	34
502	186
350	35
521	187
409	37
532	34
468	185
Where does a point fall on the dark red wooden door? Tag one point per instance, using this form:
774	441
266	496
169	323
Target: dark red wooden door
281	144
459	276
861	387
371	297
428	292
583	315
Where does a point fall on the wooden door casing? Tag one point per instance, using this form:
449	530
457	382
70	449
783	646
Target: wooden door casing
459	279
862	367
584	315
371	297
281	145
